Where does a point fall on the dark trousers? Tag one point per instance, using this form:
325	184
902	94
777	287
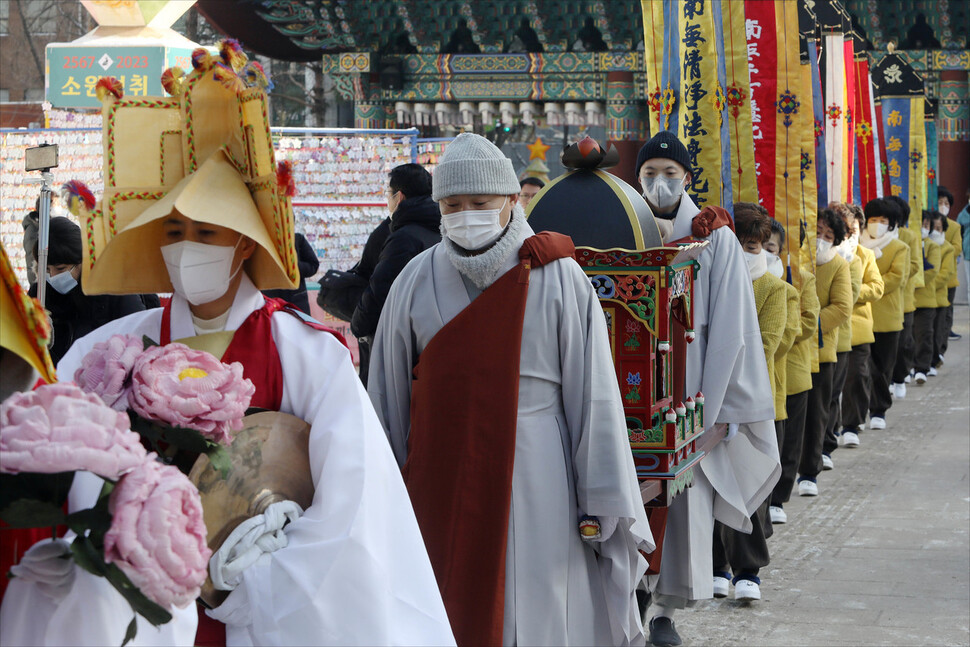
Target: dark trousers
855	393
790	447
905	351
882	360
834	423
740	553
951	293
923	321
940	333
816	416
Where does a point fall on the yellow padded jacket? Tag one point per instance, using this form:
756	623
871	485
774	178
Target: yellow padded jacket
915	278
792	327
855	278
948	268
887	312
771	303
799	364
954	237
834	288
871	290
926	295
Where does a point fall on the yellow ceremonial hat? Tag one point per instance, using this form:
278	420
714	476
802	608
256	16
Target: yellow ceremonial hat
23	324
205	151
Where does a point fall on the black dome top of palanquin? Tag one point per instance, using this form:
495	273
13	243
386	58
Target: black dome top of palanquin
595	208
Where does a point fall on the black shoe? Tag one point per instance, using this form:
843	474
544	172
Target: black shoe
954	335
663	633
643	602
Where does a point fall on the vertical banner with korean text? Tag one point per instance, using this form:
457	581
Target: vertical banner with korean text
700	107
902	98
932	155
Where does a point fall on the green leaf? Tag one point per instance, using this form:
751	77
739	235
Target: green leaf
220	460
88	557
131	632
148	341
96	519
140	604
31	513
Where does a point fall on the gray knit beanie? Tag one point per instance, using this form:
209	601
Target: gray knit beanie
472	165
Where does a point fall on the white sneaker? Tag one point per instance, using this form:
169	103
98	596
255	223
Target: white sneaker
931	373
827	463
921	378
877	423
721	586
941	359
778	515
746	590
849	439
807	488
900	390
907	379
862	427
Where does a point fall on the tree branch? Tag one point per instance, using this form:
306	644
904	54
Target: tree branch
29	37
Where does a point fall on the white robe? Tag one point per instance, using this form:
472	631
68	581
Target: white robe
572	456
355	570
727	363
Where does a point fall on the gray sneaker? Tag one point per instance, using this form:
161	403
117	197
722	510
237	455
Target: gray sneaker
663	633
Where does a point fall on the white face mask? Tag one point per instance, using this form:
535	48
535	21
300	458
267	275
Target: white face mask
824	252
937	237
201	273
757	264
848	246
877	229
63	282
775	266
662	192
925	231
474	228
944	209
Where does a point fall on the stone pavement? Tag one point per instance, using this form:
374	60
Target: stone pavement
882	555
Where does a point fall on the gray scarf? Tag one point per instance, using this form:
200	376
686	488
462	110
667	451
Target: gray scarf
482	269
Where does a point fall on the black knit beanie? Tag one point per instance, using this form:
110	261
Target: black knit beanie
64	243
664	144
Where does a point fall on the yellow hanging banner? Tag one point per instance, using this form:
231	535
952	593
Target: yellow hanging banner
702	99
738	96
917	162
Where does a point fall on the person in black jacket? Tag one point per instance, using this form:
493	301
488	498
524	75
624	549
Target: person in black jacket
73	313
308	264
415	225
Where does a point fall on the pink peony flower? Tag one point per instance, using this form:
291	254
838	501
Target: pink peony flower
106	370
60	428
157	535
190	388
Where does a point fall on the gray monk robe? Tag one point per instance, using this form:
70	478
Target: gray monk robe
727	363
571	454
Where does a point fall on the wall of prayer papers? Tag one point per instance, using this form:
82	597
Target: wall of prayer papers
340	180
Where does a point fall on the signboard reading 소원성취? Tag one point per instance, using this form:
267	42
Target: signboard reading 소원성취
73	71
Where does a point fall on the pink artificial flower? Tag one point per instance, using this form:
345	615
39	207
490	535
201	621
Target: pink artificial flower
106	369
190	388
60	428
157	535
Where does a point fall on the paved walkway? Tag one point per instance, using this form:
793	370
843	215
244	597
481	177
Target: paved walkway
882	556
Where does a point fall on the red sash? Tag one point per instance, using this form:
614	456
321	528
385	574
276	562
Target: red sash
461	446
253	346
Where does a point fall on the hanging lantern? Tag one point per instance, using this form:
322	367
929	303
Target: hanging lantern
466	113
554	113
405	114
446	113
528	109
508	112
423	115
488	111
574	114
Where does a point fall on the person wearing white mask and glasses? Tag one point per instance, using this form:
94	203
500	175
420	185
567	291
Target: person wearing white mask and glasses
352	568
492	373
72	312
953	234
892	259
726	362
